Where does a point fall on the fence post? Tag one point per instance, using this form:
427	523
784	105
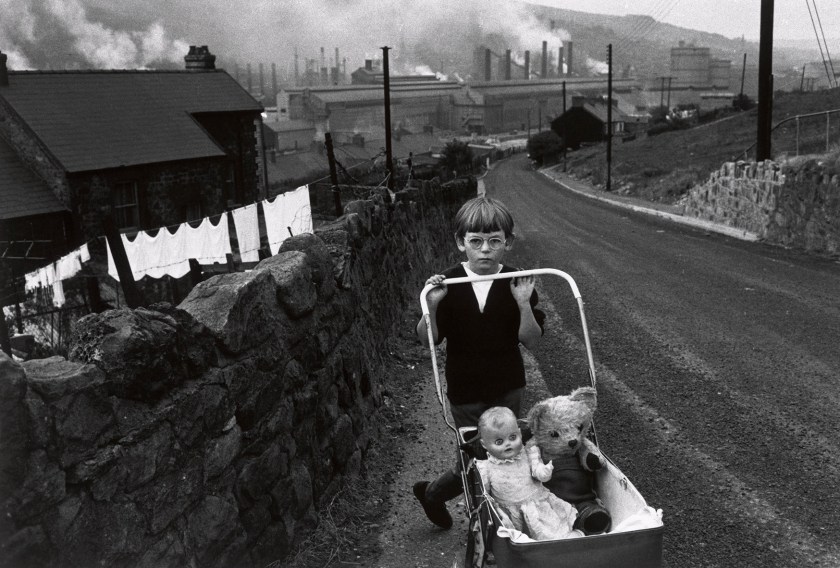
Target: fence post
133	297
5	342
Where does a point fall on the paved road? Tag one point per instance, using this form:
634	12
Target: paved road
718	370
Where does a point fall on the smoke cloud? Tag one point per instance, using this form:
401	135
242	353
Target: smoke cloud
102	34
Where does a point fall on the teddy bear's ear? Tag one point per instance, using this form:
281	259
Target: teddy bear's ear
586	395
535	415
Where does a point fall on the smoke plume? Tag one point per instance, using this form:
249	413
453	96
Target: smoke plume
102	34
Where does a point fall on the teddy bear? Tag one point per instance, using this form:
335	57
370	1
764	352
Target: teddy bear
559	426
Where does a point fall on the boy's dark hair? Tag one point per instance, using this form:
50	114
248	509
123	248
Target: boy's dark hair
483	215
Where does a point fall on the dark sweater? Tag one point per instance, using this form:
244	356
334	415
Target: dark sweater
482	349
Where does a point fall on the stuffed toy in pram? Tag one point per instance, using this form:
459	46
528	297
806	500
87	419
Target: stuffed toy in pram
560	426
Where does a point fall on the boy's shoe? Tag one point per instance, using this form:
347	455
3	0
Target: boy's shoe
436	512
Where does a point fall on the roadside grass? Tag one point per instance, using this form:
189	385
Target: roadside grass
665	167
343	533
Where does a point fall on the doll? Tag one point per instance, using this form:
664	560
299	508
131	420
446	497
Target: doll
514	480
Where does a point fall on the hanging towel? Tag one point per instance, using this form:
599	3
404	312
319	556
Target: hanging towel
58	288
246	223
288	212
209	243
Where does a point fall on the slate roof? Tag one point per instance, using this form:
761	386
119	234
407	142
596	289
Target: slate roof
22	193
93	120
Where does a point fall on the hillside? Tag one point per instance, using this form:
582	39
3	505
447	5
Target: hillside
662	168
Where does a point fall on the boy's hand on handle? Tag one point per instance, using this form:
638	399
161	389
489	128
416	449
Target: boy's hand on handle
436	294
522	288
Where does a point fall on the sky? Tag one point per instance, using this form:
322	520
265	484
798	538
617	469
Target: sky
132	34
730	18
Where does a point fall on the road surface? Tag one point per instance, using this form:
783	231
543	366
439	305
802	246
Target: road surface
718	367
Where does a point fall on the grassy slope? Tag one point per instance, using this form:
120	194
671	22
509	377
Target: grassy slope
664	167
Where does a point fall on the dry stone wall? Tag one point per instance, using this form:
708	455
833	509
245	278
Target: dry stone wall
795	204
209	434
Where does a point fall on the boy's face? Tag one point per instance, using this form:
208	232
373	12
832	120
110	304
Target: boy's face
484	250
502	442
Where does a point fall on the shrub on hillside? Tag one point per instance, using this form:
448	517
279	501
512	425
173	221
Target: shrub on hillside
544	147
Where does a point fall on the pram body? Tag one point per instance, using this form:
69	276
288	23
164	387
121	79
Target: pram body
635	539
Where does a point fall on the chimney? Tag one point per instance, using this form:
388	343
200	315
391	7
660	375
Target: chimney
527	65
199	59
544	66
569	60
488	74
4	73
368	64
507	65
560	62
262	81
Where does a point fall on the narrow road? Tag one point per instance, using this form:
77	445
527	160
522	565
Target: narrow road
718	365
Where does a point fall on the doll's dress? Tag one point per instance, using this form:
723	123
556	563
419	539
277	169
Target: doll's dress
523	501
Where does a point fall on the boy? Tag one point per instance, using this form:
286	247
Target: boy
483	323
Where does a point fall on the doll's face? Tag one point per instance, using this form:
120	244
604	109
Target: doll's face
502	440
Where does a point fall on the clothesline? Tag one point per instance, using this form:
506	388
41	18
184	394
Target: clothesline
54	273
169	253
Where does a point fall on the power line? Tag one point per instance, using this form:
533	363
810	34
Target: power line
827	54
819	43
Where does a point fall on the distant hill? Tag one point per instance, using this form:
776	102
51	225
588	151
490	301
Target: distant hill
645	44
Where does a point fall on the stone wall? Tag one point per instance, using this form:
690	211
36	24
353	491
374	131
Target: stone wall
210	434
795	204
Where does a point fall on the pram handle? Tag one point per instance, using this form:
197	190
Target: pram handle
502	275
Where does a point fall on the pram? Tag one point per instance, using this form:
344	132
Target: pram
635	539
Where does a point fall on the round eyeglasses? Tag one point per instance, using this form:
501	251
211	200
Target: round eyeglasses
494	243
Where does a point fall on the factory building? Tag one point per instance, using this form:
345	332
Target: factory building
693	67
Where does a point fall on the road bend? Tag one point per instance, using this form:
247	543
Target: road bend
718	370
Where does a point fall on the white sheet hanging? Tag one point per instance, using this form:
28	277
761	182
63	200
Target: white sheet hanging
169	253
289	211
246	223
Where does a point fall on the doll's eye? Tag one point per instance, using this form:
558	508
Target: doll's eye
554	434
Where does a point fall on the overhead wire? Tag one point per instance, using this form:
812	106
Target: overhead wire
827	54
819	43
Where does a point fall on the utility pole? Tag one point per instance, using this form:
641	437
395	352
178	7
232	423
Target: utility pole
743	72
669	92
765	82
662	93
333	174
802	81
609	115
389	156
564	130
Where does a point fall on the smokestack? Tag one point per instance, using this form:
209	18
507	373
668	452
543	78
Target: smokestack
569	58
368	64
297	69
262	81
4	73
249	78
199	59
507	65
527	65
488	73
337	66
560	62
544	66
273	79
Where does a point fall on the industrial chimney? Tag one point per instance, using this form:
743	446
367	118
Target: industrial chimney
560	62
569	58
544	66
199	59
507	65
527	65
4	73
488	73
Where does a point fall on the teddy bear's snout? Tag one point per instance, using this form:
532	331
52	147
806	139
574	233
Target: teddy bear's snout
573	444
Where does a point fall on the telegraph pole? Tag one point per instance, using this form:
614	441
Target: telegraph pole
765	82
389	156
609	114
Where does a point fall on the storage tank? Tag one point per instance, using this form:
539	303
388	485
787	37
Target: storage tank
690	66
719	71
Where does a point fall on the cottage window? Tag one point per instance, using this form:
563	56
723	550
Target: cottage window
126	205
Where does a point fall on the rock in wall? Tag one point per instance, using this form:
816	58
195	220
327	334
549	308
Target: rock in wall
209	434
